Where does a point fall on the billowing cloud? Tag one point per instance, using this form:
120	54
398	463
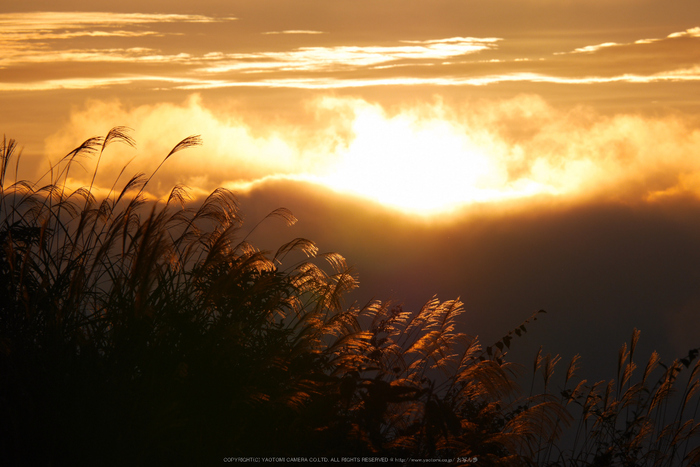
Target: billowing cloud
233	151
438	157
420	158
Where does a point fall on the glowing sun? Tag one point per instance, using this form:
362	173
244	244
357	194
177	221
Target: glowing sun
419	165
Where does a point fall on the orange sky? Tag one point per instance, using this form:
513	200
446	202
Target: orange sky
422	108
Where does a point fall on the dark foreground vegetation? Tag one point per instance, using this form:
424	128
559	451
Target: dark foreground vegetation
143	333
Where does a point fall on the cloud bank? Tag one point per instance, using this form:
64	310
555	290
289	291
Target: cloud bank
424	158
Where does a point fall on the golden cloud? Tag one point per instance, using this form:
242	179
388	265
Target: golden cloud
342	57
233	151
422	158
34	51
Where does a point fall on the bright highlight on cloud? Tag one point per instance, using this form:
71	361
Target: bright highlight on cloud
422	163
423	159
434	158
345	57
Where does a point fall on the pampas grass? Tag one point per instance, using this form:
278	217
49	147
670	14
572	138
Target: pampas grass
138	332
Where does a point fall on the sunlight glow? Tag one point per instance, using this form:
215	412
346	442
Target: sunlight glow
423	166
423	159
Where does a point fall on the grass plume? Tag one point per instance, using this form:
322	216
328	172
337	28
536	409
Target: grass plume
156	333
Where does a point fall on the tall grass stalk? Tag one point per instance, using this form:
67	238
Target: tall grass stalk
139	332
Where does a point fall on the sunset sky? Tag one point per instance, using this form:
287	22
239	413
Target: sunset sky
518	154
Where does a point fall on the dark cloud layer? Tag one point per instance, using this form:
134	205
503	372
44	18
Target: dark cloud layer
599	269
